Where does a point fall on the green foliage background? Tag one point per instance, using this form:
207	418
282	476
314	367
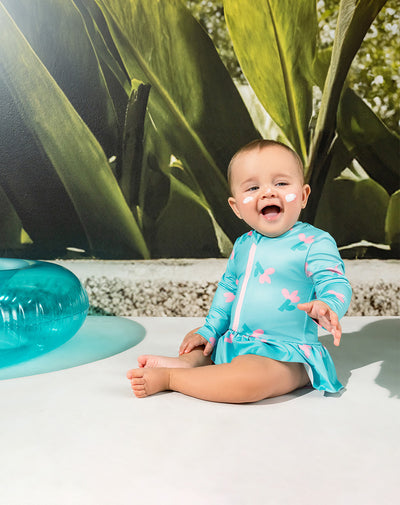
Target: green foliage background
119	118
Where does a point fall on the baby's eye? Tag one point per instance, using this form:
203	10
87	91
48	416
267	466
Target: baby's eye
253	188
281	183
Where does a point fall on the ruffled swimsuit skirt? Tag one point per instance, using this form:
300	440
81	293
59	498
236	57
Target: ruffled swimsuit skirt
315	357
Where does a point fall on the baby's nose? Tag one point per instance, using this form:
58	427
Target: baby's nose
268	191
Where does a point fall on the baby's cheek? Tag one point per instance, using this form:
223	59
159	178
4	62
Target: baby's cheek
290	197
248	199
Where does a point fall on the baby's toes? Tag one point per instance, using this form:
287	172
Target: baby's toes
139	390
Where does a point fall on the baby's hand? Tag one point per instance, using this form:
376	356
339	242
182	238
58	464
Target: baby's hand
324	316
193	340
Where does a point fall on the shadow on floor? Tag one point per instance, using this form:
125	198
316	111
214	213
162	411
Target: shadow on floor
376	342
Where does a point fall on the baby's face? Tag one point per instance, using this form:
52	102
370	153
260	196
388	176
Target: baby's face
268	190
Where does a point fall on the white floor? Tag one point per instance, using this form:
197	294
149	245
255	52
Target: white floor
79	436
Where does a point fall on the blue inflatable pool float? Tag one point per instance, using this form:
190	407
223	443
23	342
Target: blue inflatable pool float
42	305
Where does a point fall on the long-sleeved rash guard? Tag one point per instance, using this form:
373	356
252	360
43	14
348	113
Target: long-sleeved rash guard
254	310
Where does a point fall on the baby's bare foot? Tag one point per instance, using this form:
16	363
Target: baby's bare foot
148	381
151	361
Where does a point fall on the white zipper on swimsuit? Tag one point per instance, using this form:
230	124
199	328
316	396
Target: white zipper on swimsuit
239	305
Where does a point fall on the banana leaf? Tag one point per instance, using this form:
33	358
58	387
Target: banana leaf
196	110
187	228
78	163
102	42
115	75
369	140
30	183
174	214
57	34
354	20
353	208
274	41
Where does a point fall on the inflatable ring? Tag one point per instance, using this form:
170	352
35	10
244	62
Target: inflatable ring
42	305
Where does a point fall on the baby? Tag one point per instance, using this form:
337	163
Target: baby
258	341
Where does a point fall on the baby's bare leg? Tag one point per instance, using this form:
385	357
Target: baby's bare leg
246	379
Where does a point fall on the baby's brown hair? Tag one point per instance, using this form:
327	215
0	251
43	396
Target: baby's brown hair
260	144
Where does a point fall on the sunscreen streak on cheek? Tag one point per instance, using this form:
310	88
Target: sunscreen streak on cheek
290	197
248	199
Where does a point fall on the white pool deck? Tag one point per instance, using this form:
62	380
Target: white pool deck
80	437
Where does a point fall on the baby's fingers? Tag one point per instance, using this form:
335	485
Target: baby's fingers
305	306
332	325
337	334
188	338
187	347
192	345
208	349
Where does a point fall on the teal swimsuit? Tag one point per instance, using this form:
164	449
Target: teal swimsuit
254	310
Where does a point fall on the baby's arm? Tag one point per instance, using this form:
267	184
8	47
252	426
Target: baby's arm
193	340
324	316
219	315
332	289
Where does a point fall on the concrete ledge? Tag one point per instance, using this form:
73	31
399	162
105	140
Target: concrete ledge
185	287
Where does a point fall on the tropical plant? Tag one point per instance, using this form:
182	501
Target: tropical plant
374	73
350	156
119	118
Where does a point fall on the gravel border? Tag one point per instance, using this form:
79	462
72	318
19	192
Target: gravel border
186	287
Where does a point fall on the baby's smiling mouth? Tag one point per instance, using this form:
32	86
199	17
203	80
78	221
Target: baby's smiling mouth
271	211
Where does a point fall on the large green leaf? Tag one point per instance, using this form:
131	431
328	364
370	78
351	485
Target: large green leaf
102	41
56	32
187	228
115	75
176	218
76	157
353	208
197	112
274	41
30	182
355	18
369	140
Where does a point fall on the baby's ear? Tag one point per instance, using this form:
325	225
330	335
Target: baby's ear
305	194
234	207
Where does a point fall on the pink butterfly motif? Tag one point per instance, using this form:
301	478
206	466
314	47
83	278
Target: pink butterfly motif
308	273
265	277
250	233
257	333
339	296
306	349
212	341
336	270
232	255
306	240
291	296
229	338
229	297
